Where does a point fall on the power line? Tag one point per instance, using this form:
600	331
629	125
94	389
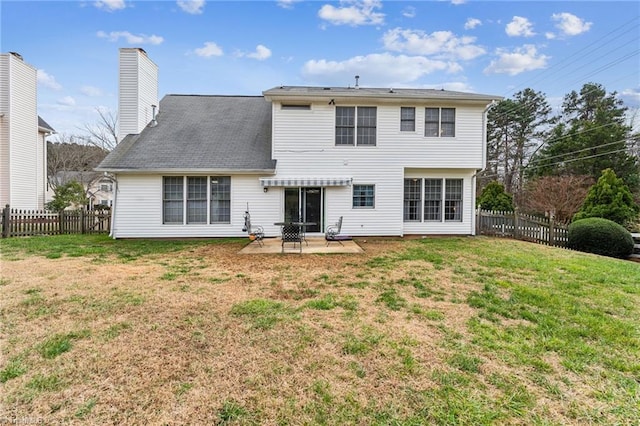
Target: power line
574	159
576	152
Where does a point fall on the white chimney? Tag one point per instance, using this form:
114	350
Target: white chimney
137	91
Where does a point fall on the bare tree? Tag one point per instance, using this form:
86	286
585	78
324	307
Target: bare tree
70	159
104	133
560	196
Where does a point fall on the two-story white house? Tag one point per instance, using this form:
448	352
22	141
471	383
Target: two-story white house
391	162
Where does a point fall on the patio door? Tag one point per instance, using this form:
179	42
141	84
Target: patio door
305	205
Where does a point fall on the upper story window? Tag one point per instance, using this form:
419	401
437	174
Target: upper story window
440	122
296	107
407	119
356	126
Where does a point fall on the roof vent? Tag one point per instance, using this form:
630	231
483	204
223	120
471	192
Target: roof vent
17	55
357	78
154	122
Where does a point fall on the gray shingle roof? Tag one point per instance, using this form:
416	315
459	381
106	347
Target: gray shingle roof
373	92
44	125
206	133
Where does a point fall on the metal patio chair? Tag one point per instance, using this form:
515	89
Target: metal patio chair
291	233
333	234
255	232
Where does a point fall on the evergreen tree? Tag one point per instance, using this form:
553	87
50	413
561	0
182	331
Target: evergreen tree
514	127
70	194
592	136
611	199
494	198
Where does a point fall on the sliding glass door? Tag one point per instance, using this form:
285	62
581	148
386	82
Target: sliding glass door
305	205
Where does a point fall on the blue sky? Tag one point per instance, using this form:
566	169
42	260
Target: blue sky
246	47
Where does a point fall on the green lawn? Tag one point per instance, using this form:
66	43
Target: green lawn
472	331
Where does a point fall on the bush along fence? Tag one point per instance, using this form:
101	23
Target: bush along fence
20	223
521	226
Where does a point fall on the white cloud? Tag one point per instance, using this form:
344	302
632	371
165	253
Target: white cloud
525	58
353	12
457	2
287	4
130	38
409	12
443	44
261	53
570	25
110	5
381	69
519	27
631	97
91	91
193	7
550	35
48	80
67	101
210	49
472	23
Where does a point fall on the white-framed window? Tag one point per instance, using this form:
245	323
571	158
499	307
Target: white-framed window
220	199
105	187
296	107
407	119
412	206
364	196
172	199
432	200
453	200
440	199
356	126
440	122
198	199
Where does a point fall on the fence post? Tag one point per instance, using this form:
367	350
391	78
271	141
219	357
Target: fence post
552	232
6	221
83	218
516	230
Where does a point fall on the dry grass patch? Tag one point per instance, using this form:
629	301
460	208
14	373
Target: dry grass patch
410	332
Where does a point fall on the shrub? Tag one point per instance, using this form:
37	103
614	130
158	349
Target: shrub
494	198
600	236
611	199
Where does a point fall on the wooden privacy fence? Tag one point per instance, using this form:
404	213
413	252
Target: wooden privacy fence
20	223
522	227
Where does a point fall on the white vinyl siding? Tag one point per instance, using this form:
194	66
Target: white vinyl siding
304	145
138	91
22	156
138	209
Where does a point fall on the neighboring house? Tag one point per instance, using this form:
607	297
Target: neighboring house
98	187
392	162
23	146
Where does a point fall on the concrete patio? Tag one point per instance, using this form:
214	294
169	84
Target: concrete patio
311	246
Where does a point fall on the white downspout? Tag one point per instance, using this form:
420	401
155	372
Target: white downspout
113	206
484	163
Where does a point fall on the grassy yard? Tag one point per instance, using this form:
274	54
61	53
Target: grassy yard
445	331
